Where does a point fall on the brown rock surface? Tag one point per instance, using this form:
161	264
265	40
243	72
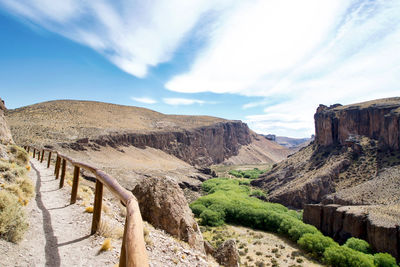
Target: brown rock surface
379	225
5	134
163	204
378	119
227	254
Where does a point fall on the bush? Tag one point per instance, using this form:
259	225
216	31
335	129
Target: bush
358	244
258	193
316	243
212	218
384	260
347	257
19	154
12	217
197	209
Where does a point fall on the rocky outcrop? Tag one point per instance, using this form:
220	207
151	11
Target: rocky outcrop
227	254
201	146
5	134
379	120
163	204
365	222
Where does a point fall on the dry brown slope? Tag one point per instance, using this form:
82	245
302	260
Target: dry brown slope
62	120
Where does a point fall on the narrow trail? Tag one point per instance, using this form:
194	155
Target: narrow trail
59	233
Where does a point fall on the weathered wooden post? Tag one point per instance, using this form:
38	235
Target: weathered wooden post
64	165
58	163
29	148
34	153
75	185
98	199
41	159
38	155
48	160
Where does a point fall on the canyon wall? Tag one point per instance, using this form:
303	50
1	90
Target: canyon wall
364	222
201	146
5	134
379	120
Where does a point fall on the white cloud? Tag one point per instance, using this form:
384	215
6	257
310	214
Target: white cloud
182	101
145	100
306	52
134	35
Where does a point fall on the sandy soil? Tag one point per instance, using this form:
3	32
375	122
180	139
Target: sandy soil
59	233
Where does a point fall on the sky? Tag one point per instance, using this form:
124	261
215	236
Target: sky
269	63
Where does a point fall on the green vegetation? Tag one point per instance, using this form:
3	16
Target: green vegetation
250	174
12	217
359	245
230	201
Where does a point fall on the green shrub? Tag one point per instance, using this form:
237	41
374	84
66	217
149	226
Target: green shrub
258	193
346	257
358	244
316	243
19	154
12	217
384	260
212	218
197	209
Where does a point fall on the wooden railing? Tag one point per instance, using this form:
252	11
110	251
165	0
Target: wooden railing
133	249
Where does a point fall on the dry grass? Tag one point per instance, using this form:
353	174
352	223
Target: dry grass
106	245
12	217
109	229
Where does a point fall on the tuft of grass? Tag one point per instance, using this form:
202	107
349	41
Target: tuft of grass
89	209
109	230
106	245
20	156
13	222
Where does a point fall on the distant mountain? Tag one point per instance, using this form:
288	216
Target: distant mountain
289	142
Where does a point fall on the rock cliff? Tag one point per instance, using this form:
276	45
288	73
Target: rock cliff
200	146
377	120
5	134
379	226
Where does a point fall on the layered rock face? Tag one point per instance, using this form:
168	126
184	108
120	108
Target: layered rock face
370	223
379	120
163	204
201	146
5	134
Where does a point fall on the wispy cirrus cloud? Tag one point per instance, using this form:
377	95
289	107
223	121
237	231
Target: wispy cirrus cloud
144	100
134	35
183	101
306	52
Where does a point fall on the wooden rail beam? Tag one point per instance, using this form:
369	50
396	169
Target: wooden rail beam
98	199
64	165
49	159
75	185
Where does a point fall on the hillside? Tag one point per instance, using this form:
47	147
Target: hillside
131	142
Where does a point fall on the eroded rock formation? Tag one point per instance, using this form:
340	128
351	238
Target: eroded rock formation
378	120
163	204
371	223
227	254
5	134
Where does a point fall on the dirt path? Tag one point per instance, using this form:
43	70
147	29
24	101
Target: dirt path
58	234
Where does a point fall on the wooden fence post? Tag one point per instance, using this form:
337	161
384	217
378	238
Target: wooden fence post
98	199
64	165
58	163
122	255
75	185
41	159
38	155
48	160
34	153
29	148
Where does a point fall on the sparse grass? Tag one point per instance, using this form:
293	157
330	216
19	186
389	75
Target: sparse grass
89	209
12	217
109	230
106	245
146	235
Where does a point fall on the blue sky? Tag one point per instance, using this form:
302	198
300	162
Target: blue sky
269	63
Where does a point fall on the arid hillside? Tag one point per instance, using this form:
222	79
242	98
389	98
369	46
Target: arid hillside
131	142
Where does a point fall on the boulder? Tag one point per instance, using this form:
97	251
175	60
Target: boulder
5	133
163	205
227	254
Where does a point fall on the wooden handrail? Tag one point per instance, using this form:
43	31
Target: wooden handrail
133	249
